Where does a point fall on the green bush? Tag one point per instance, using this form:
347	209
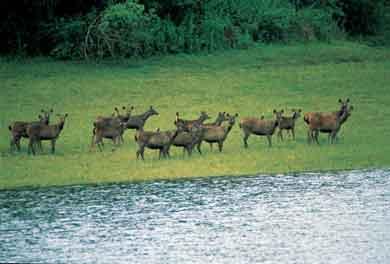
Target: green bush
129	29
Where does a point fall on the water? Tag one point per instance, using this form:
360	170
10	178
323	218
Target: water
308	218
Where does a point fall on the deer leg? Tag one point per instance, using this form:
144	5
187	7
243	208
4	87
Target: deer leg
198	147
309	136
39	144
31	147
220	146
140	152
53	146
316	136
18	144
293	133
99	142
166	150
280	135
211	146
269	141
246	136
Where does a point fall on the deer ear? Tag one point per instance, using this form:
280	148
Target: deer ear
347	100
299	110
151	107
66	115
116	109
282	111
236	114
39	116
351	108
51	110
124	107
274	111
340	101
42	111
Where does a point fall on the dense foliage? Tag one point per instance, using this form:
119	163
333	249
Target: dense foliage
131	28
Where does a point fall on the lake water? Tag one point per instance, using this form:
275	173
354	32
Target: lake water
341	217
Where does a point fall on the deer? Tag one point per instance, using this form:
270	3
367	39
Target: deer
260	127
330	124
217	133
221	117
138	121
313	118
113	131
108	126
188	140
18	129
187	124
288	123
37	132
161	140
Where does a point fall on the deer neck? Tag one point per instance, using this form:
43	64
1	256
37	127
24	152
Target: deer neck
146	115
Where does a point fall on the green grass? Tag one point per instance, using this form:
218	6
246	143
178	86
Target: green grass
250	82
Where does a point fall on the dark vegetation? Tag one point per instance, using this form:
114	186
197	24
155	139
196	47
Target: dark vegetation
129	28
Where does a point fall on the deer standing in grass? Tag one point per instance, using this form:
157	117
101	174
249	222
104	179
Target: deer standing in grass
39	132
158	140
138	121
327	121
217	133
188	140
18	129
260	127
288	123
221	117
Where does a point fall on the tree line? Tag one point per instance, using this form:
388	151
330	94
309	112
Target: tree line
131	28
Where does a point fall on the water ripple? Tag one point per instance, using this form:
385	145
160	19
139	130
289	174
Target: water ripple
335	217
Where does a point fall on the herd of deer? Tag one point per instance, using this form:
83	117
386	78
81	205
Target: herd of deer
188	134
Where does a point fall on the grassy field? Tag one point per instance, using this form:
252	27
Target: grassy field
250	82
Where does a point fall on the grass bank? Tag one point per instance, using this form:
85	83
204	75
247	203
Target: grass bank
250	82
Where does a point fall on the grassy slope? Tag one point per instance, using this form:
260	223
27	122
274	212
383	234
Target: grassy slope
249	82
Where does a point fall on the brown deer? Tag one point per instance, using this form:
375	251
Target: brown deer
37	132
188	140
260	127
221	117
19	129
102	124
312	119
187	124
138	121
217	133
114	131
161	140
330	124
288	123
